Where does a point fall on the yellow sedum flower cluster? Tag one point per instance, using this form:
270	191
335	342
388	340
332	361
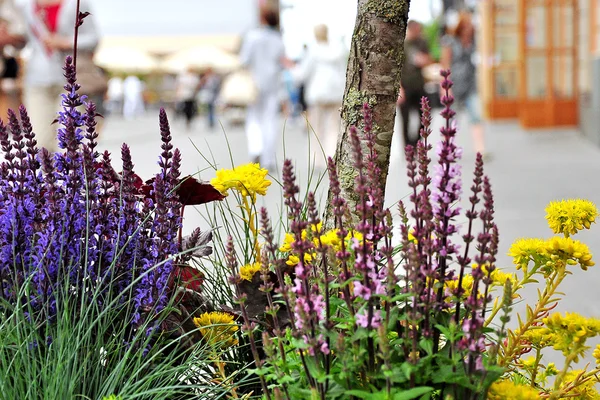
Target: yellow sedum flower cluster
248	271
570	216
556	251
539	337
596	354
582	391
329	239
248	180
508	390
571	330
217	328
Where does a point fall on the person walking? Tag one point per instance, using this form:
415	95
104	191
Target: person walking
12	33
323	73
50	31
114	95
416	57
458	55
133	97
263	55
188	83
210	88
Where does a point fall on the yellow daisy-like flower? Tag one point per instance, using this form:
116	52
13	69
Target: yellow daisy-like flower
570	330
249	180
570	216
583	391
247	271
466	284
523	250
508	390
569	250
217	328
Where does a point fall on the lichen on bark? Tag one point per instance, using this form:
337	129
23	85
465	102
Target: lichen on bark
389	10
373	76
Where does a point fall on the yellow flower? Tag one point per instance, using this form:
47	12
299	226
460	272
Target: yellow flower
508	390
247	271
539	337
551	370
217	328
294	260
583	391
249	180
466	284
596	354
570	251
499	278
286	247
523	250
571	330
328	239
570	216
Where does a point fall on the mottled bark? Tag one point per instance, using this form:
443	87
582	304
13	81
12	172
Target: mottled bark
373	76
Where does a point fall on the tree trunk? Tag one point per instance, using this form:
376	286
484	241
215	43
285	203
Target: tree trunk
373	77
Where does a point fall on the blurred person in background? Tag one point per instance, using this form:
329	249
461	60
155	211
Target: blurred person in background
323	71
210	88
188	83
12	33
416	57
458	55
302	86
263	55
114	95
50	30
133	97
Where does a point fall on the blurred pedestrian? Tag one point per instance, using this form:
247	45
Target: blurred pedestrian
302	86
210	88
416	57
458	54
50	30
115	95
323	71
12	33
133	97
188	84
263	55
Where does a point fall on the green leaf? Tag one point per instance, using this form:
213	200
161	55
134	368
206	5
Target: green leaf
427	345
361	394
413	393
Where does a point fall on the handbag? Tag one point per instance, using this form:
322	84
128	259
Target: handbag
90	77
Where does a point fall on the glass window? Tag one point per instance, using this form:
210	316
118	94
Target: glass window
536	76
506	83
535	29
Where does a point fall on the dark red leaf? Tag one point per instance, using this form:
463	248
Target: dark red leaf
137	181
189	277
193	192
